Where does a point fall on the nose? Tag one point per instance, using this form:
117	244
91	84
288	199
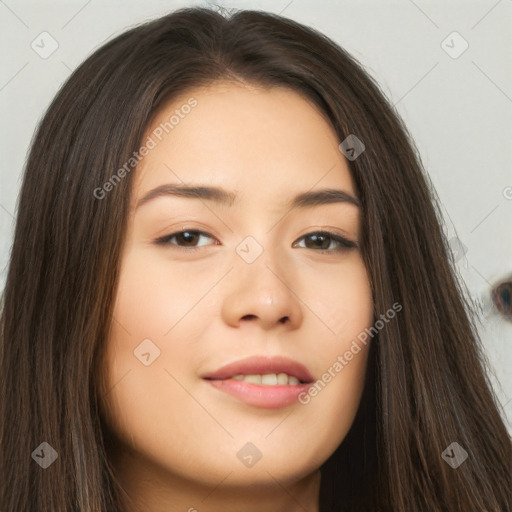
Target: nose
262	292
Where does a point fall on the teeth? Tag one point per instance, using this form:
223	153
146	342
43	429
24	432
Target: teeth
253	379
269	379
282	379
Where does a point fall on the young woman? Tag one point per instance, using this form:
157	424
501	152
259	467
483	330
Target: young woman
229	290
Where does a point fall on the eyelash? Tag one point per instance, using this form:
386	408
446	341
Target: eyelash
344	244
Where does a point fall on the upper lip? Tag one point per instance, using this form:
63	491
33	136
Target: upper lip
261	365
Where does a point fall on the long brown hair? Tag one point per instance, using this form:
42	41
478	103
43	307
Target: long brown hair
427	385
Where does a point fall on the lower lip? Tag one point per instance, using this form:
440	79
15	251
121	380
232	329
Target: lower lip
268	397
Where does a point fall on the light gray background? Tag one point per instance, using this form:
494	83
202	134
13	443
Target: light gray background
459	110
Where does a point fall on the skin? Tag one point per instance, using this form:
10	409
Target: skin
177	437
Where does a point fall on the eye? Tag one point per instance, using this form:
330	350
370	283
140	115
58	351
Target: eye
188	237
320	240
323	239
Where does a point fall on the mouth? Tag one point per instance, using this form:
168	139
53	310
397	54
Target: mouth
267	379
264	382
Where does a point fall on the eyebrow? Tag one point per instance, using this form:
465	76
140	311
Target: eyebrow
219	195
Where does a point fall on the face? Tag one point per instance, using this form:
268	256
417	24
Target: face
250	282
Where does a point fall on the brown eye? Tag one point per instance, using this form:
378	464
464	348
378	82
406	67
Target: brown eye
322	240
186	239
318	241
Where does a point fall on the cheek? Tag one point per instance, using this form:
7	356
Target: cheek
154	294
141	354
330	405
341	299
345	311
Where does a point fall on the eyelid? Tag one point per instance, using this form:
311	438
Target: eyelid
164	240
342	240
344	243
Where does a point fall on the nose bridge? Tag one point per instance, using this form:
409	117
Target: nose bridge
261	289
260	262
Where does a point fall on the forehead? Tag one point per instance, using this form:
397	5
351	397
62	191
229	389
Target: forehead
267	143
